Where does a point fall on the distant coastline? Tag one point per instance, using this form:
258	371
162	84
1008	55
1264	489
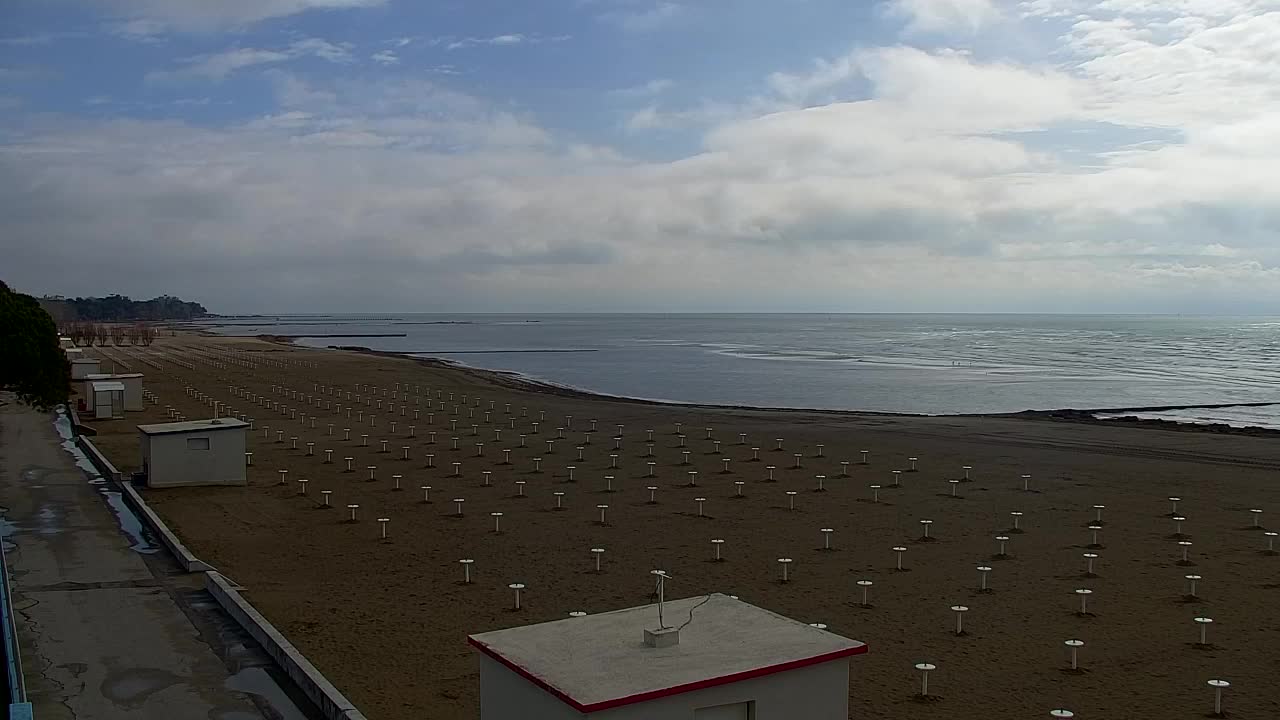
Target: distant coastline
516	380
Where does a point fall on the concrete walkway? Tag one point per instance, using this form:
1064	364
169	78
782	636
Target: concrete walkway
109	629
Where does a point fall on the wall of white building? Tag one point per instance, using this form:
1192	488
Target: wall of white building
816	692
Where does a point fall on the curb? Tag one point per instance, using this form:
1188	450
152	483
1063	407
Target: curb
96	457
170	540
332	704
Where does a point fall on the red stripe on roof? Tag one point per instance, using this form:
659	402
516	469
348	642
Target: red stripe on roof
668	691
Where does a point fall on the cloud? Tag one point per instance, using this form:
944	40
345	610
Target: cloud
207	15
138	30
1134	166
709	113
43	38
825	75
945	16
217	66
497	40
323	49
384	57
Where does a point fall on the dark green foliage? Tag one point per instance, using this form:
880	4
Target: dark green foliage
117	308
32	363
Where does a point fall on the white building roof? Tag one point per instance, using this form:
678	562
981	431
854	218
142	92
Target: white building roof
192	426
112	376
106	386
78	359
600	661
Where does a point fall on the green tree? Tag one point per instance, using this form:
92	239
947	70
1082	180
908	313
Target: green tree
32	363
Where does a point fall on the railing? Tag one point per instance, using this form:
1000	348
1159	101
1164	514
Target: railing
15	684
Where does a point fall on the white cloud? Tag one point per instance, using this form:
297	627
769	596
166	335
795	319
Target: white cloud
652	117
1136	164
217	66
209	15
825	75
384	57
138	29
945	16
323	49
497	40
43	38
292	91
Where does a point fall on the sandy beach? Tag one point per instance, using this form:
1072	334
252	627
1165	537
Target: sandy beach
386	621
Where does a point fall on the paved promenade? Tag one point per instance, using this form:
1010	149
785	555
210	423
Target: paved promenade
109	629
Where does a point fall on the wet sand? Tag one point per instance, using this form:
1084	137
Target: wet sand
387	621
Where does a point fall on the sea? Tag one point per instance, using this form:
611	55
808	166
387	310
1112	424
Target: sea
921	364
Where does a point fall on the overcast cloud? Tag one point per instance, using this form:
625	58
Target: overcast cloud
951	155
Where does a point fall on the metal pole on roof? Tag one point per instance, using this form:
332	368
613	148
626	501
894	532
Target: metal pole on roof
662	577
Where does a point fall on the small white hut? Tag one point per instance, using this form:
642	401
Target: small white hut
82	367
728	660
195	452
105	398
133	399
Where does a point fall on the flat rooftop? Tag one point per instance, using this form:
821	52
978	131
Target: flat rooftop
192	426
600	661
111	376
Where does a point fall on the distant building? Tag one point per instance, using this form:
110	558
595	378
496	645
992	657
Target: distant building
730	661
81	366
133	399
105	399
196	452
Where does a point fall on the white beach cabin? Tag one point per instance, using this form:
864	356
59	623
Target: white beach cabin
196	452
732	661
82	367
133	399
105	398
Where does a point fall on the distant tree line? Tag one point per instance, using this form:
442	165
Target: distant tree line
86	333
119	308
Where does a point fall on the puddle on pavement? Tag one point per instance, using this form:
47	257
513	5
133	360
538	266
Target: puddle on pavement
257	681
140	539
49	521
133	687
139	536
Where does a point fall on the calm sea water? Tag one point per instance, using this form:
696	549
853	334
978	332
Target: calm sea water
935	364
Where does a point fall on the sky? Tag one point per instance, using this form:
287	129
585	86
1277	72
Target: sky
645	155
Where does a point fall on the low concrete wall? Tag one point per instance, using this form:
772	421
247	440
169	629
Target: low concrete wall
332	704
96	457
167	536
76	427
